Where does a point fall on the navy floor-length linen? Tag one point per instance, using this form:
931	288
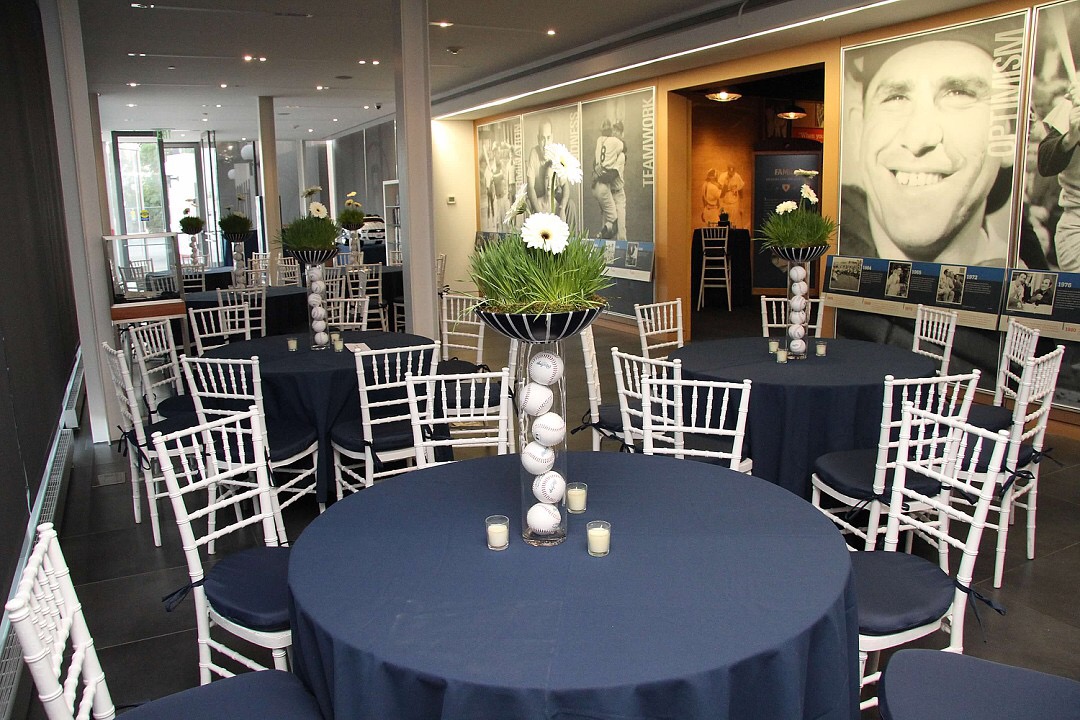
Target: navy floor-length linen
803	409
313	387
723	597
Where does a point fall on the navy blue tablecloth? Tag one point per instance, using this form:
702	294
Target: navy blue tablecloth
286	308
316	387
723	597
805	408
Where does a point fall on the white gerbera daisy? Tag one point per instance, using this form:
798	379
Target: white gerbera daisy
808	193
317	209
545	231
786	207
563	163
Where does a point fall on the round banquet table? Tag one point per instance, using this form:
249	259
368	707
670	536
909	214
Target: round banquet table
317	387
804	408
286	307
722	597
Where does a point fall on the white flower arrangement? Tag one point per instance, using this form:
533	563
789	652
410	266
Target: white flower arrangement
794	224
545	266
318	209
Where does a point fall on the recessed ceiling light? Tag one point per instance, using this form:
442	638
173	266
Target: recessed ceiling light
374	62
243	139
322	87
441	23
171	67
218	105
334	120
551	32
136	54
230	147
248	58
132	105
367	107
206	119
224	85
183	135
133	84
311	129
262	59
361	62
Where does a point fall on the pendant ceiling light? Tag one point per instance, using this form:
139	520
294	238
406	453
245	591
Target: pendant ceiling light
791	111
723	96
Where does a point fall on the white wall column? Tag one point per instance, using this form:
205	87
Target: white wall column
78	143
268	181
413	95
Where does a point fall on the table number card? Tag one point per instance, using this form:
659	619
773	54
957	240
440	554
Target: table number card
357	347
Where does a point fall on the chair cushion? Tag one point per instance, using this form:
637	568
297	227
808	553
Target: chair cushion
709	443
288	439
610	418
176	405
250	588
990	417
170	425
897	591
851	472
388	436
265	695
935	685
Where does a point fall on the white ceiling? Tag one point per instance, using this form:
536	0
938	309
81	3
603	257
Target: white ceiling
185	49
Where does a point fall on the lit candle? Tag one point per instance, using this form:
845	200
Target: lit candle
820	348
575	497
498	532
781	355
599	534
339	344
292	344
335	336
774	345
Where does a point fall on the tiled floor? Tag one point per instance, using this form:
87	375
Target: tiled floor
148	653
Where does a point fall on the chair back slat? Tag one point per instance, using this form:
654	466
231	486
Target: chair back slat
630	370
461	328
774	316
217	326
660	328
465	410
934	330
154	348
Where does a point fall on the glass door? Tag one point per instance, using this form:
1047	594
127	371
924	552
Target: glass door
139	159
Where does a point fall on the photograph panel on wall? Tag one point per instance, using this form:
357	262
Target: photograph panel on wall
1050	213
617	146
554	125
501	171
929	143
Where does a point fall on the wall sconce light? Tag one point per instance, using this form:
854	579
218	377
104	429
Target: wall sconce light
791	111
723	96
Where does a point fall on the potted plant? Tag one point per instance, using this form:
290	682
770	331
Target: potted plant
541	284
796	231
312	240
543	281
191	224
235	226
799	234
351	216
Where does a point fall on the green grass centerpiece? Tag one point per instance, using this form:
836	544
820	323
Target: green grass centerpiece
314	231
545	266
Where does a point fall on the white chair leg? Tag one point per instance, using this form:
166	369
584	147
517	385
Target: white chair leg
1032	494
151	496
136	477
727	284
701	286
1002	536
281	660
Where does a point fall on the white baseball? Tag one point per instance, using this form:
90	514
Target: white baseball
797	273
318	286
797	346
537	459
797	302
318	313
536	399
321	338
543	519
796	332
318	325
799	288
797	317
549	429
545	368
549	487
314	299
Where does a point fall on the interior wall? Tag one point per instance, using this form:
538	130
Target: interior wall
38	334
453	149
723	134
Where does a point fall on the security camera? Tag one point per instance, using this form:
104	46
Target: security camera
378	106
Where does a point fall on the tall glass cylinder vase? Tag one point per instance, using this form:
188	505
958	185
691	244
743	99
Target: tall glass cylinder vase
312	262
239	260
798	295
356	252
540	390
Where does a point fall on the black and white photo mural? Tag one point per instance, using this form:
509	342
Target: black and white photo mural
501	170
929	144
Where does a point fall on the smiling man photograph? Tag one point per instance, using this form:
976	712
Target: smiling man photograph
929	145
